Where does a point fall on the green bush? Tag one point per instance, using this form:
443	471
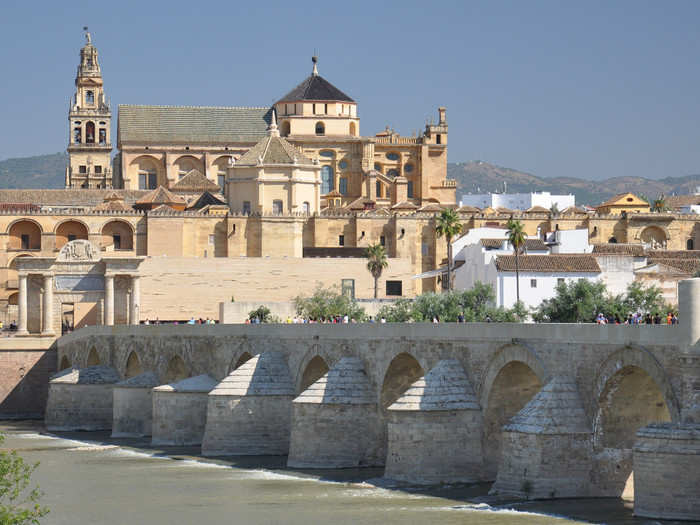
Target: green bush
19	503
326	303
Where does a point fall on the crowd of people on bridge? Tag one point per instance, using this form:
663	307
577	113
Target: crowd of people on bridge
639	318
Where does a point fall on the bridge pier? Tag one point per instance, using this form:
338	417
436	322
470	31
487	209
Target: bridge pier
667	455
180	410
249	412
335	422
81	399
133	406
547	446
435	429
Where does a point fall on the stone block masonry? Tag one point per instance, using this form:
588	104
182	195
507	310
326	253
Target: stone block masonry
133	406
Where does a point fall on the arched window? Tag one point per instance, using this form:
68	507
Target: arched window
147	179
320	128
103	136
89	97
353	129
377	166
286	128
408	168
612	240
306	207
689	244
77	135
90	133
185	165
326	179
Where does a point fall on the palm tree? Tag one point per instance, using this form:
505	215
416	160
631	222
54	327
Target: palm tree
448	225
659	204
516	237
376	262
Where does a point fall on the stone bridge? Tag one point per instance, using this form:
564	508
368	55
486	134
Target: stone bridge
545	410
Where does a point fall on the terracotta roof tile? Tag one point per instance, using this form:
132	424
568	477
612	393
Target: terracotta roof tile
273	150
548	263
194	181
533	244
675	254
689	266
678	201
635	250
161	196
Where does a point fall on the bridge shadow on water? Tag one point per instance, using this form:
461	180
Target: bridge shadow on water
611	511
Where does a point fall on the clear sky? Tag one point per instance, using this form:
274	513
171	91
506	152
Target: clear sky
586	89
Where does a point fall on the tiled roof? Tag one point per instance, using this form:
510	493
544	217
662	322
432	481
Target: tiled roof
468	209
194	181
272	150
16	206
161	196
533	244
113	205
538	209
192	125
431	207
316	87
677	201
573	210
361	204
635	250
75	197
206	199
548	263
675	254
689	266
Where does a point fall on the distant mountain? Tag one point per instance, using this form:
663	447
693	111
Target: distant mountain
481	177
48	171
42	171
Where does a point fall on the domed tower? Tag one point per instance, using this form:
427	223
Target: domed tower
89	121
318	108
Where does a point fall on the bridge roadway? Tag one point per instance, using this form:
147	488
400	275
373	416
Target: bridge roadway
607	382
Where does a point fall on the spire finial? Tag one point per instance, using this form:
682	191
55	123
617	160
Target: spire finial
272	131
88	38
314	59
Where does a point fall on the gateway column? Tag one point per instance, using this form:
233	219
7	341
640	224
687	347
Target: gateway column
47	328
109	300
135	299
22	305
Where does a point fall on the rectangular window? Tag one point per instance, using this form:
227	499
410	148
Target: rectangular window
379	189
103	136
325	109
143	181
212	239
313	107
393	288
382	240
82	169
277	207
343	186
409	189
152	181
341	240
347	288
246	207
438	139
533	283
117	241
25	241
560	280
98	169
221	181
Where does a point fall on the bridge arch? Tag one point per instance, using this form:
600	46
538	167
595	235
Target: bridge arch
513	377
133	365
93	358
403	370
65	363
176	370
631	390
239	360
315	368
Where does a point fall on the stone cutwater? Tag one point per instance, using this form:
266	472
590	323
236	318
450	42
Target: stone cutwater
133	406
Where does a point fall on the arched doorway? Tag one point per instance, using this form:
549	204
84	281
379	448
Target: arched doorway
24	235
654	237
176	370
70	231
514	385
133	365
93	357
630	399
314	371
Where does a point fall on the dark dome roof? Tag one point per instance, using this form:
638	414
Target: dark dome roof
315	87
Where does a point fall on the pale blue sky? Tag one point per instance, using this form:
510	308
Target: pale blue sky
590	89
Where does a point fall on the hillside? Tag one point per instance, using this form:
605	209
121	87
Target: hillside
48	171
482	177
42	171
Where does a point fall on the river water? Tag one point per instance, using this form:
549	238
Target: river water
89	478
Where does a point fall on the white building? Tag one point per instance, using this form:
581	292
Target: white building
518	201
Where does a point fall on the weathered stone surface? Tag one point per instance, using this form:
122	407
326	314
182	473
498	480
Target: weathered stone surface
249	412
335	421
435	429
547	446
81	399
667	471
180	410
133	406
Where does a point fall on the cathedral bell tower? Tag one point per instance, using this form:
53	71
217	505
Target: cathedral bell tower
90	125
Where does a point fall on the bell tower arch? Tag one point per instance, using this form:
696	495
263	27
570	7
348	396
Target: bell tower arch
89	125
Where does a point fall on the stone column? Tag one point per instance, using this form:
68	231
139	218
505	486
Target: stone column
22	305
109	300
135	299
47	327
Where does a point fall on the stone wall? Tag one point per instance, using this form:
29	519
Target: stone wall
26	364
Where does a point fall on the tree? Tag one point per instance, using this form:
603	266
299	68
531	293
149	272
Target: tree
261	313
376	262
575	302
554	209
644	299
326	303
19	503
448	225
516	237
659	204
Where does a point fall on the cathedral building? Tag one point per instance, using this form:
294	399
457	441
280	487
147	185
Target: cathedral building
203	205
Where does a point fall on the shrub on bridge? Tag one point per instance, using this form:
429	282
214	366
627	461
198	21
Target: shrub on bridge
326	303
